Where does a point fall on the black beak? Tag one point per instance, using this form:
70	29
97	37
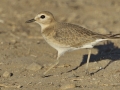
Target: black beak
30	21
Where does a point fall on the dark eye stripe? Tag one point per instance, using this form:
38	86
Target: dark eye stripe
42	16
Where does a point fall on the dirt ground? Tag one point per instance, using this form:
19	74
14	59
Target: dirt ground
24	55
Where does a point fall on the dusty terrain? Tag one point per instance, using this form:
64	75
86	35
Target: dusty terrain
24	55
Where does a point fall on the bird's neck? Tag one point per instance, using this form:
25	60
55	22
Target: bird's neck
43	27
47	27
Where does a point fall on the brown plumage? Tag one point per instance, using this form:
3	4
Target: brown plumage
67	37
74	35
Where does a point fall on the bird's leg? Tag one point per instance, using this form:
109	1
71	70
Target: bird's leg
51	67
88	58
53	64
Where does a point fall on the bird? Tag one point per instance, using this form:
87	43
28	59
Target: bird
65	37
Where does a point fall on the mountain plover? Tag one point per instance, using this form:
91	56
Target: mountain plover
67	37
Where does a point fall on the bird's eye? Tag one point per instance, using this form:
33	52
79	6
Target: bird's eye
42	16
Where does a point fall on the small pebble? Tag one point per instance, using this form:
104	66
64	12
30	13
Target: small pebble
7	74
13	41
67	86
19	86
1	21
34	67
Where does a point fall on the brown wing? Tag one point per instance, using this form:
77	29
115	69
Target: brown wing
74	35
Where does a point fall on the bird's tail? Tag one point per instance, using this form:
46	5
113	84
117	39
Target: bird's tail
115	36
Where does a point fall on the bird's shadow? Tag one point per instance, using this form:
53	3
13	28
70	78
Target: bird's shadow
106	51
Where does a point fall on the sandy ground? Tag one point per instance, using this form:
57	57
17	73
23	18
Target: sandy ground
24	55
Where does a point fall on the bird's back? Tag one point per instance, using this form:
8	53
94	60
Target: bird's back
74	35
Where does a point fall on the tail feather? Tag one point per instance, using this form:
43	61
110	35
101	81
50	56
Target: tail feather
107	36
115	36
